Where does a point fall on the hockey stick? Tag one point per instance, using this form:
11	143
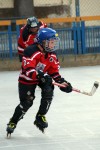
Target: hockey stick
91	93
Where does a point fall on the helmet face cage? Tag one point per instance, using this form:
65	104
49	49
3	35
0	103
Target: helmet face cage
49	39
32	22
52	44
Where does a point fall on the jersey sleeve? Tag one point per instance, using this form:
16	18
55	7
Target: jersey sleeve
54	69
29	64
30	40
25	33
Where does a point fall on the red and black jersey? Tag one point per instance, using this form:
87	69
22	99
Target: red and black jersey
25	39
42	25
34	60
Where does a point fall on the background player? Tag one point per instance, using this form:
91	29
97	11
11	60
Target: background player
28	34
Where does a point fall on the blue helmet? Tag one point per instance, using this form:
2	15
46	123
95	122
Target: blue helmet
48	34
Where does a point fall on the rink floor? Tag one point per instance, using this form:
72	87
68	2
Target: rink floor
74	119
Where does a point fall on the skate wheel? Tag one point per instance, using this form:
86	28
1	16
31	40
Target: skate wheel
8	135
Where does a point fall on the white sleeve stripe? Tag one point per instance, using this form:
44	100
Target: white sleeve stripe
21	49
27	39
53	55
28	72
27	78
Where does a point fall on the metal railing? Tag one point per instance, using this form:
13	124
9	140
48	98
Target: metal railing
77	39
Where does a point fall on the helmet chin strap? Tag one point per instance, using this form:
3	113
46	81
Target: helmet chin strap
40	47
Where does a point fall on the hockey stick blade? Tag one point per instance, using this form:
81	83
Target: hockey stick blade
94	88
91	93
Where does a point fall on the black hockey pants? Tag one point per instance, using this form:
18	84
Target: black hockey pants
27	95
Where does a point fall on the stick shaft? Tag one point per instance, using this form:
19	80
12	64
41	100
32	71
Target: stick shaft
73	89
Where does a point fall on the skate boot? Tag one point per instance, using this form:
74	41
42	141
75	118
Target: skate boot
41	122
10	128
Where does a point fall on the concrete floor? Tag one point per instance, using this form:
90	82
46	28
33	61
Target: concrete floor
74	119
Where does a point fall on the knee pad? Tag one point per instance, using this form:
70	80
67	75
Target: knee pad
27	103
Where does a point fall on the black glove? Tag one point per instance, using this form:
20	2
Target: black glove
68	87
44	79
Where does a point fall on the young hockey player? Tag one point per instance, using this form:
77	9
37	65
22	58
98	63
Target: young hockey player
39	67
28	34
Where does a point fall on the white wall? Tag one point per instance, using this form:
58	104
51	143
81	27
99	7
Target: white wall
10	3
87	7
6	3
51	2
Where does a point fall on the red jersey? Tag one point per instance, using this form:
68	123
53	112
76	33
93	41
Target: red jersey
25	39
34	60
42	24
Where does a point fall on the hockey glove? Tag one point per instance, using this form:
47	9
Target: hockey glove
68	87
44	79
